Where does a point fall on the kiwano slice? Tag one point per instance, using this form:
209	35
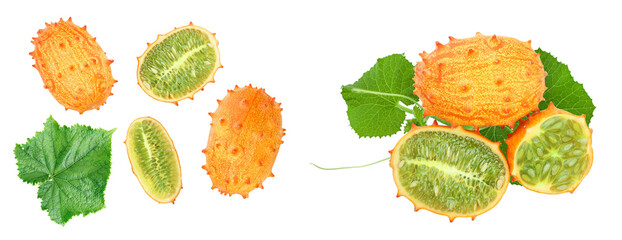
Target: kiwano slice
179	64
551	152
74	68
154	159
449	171
243	141
480	81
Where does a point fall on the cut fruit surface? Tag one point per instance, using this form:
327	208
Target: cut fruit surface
179	64
449	171
551	152
154	159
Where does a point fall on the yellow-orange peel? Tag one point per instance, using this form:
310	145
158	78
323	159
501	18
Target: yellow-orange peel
244	140
73	67
480	81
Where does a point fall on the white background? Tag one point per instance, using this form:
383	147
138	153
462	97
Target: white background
302	53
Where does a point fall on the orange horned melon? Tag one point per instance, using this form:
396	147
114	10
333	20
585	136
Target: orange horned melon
551	152
244	140
480	81
74	68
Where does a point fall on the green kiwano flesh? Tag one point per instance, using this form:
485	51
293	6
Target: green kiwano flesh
551	152
179	64
449	171
154	159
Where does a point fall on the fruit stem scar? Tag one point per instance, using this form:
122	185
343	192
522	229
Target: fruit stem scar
359	166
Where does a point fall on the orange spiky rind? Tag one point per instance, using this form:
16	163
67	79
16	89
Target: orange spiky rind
72	65
480	81
529	128
244	141
129	147
494	147
159	39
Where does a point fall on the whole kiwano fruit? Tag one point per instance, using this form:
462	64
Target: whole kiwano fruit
74	68
480	81
244	140
551	152
449	171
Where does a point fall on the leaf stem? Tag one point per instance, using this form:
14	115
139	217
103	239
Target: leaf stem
418	105
405	109
437	119
360	166
360	90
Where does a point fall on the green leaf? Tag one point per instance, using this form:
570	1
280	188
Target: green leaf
409	123
374	108
497	134
563	90
71	166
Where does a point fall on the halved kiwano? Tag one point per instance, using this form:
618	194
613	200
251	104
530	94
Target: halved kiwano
449	171
179	64
154	159
551	152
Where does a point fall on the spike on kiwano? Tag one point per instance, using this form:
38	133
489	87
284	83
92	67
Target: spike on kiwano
449	171
179	64
154	159
551	152
480	81
244	140
73	67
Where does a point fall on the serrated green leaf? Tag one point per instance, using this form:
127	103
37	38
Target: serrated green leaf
563	90
71	166
373	101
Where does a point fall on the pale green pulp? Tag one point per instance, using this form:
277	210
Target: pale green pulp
450	173
154	159
556	158
179	65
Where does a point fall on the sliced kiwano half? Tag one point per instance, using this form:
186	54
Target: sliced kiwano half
179	64
154	159
551	152
449	171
